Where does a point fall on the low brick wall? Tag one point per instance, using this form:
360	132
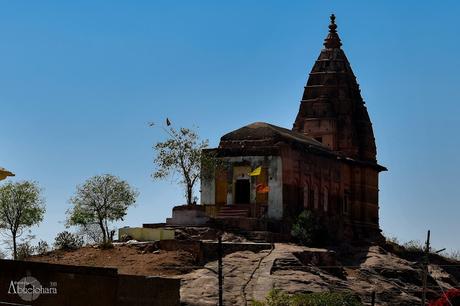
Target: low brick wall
141	290
44	284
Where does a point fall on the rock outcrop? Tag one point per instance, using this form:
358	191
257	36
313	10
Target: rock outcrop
295	269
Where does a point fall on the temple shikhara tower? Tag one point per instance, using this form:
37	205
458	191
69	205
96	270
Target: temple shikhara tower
332	110
326	163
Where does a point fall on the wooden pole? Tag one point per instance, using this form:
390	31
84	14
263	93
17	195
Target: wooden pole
219	267
425	268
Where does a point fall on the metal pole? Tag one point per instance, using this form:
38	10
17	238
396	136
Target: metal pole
373	298
219	267
425	268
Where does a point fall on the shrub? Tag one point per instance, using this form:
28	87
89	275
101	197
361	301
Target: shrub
24	250
107	245
413	246
42	247
325	299
304	228
277	297
68	241
392	239
392	244
455	255
307	230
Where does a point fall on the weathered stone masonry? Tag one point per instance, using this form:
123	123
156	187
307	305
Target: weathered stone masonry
326	163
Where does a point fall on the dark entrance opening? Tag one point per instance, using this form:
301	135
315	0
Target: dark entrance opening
242	192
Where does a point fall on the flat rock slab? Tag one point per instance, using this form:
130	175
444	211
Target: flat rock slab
251	275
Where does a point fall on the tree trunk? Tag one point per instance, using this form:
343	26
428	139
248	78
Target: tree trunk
104	235
15	251
189	195
109	239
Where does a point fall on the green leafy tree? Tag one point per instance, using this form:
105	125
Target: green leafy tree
21	206
100	200
307	230
182	153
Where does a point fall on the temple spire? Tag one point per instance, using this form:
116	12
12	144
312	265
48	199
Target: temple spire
332	109
332	40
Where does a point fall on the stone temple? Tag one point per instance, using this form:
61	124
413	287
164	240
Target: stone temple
326	163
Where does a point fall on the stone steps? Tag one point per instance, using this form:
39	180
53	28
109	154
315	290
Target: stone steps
233	212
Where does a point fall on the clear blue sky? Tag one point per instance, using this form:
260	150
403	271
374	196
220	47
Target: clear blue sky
80	80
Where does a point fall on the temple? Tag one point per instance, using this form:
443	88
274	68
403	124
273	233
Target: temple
326	163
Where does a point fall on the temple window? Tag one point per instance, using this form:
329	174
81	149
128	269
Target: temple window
306	193
345	204
325	199
316	197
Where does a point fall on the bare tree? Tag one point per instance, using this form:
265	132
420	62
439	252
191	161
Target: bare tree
181	153
91	233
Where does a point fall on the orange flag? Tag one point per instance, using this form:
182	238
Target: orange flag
262	188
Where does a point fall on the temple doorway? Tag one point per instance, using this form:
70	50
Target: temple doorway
242	191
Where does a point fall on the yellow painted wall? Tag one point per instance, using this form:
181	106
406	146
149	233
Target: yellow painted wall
221	187
241	172
262	198
146	234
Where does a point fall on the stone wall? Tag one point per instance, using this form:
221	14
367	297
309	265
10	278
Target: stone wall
188	215
205	251
194	247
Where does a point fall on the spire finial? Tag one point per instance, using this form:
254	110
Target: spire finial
332	40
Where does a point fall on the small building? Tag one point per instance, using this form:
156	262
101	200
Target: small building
326	163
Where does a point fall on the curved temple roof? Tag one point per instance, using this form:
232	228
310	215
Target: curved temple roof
261	136
264	131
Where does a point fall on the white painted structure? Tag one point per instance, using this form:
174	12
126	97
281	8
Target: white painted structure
241	167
